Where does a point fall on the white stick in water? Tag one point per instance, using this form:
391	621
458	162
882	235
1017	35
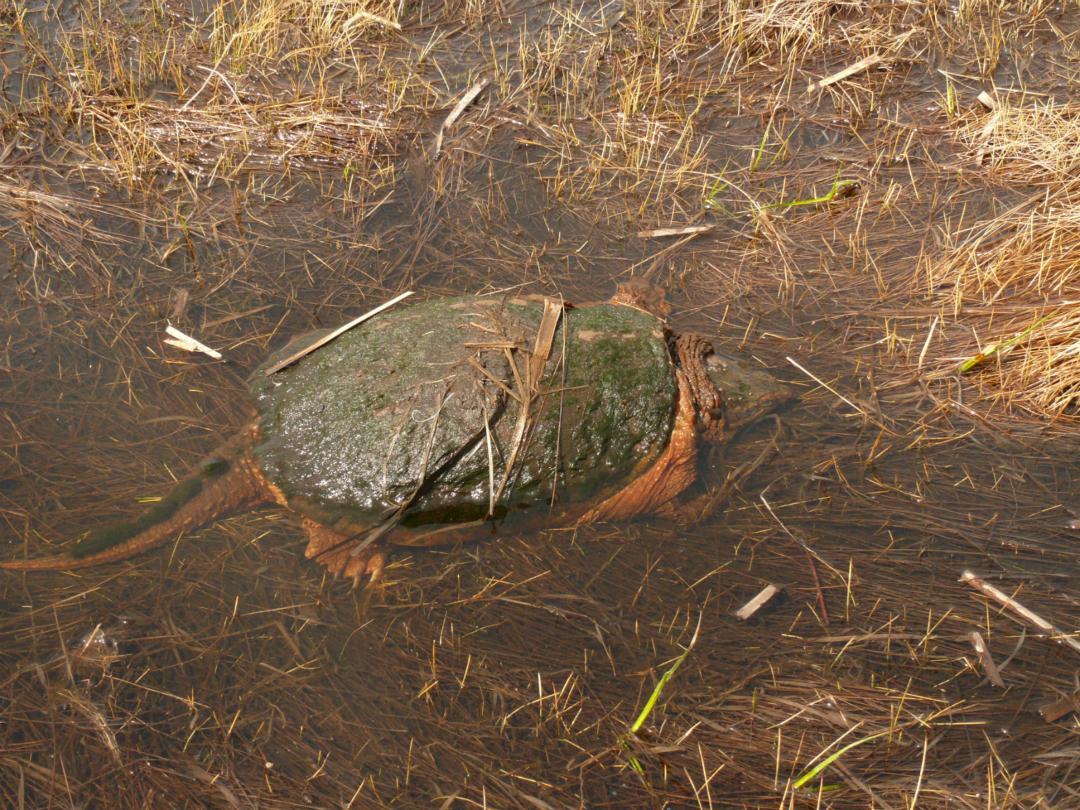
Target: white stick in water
188	343
851	70
757	603
459	108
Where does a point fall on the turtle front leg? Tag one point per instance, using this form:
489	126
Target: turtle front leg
334	550
705	505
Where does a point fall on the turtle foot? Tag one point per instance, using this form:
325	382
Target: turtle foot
336	551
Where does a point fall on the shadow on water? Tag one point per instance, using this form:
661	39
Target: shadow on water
227	671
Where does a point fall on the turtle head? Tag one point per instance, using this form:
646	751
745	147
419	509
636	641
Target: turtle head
640	294
749	393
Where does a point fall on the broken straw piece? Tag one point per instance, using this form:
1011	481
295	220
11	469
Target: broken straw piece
468	98
369	17
681	231
318	344
1058	709
757	603
188	343
851	70
980	584
989	667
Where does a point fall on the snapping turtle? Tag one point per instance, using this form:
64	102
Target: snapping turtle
437	422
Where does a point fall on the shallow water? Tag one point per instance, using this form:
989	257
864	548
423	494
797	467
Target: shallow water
506	673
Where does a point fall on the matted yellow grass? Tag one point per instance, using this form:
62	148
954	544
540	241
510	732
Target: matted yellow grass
1019	271
1031	140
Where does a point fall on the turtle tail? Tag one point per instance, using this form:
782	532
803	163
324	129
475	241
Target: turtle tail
228	482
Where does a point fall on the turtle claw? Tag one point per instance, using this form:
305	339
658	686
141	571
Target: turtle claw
336	551
376	566
370	564
341	563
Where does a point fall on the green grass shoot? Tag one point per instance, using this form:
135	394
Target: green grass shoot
996	348
838	187
712	199
762	157
829	760
759	154
650	704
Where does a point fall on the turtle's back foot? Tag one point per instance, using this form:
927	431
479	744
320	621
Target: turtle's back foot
335	550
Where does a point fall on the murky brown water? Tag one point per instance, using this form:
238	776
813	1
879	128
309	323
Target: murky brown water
506	674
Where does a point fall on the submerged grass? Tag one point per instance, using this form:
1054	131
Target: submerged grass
654	697
821	767
260	170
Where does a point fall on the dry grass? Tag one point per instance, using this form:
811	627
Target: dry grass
244	90
1032	141
1018	274
1030	251
42	215
291	30
646	166
204	142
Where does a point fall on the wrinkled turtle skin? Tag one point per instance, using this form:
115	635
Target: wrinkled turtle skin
449	419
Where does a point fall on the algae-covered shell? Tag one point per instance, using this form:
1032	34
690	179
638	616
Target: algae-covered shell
420	410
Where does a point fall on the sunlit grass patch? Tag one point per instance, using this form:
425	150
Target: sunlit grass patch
1015	281
1032	249
557	68
1034	369
1044	373
742	32
219	139
150	93
633	167
246	30
1029	140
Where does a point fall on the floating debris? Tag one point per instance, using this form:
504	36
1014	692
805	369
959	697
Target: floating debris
1067	705
459	108
1042	624
987	661
851	70
763	597
188	343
